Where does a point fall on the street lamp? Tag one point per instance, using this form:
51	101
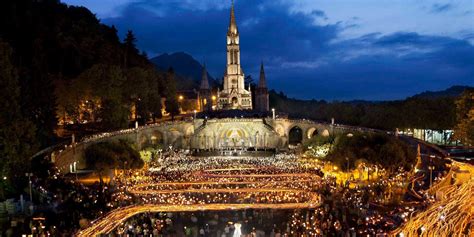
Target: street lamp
431	168
75	168
180	100
273	113
4	180
29	175
195	111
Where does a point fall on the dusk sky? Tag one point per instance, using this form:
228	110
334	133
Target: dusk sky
343	49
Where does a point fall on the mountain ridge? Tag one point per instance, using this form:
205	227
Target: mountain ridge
452	91
188	69
189	72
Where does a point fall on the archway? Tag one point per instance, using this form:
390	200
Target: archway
325	133
157	137
312	132
295	135
233	137
143	140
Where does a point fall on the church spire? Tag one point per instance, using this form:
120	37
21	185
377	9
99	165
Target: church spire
232	24
261	94
262	82
204	81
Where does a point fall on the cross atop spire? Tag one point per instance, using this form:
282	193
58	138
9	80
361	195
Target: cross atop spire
232	24
262	82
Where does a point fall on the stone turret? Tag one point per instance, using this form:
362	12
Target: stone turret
261	93
205	101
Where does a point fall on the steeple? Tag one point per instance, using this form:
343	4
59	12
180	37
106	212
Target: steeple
204	94
261	94
262	82
204	81
232	24
234	94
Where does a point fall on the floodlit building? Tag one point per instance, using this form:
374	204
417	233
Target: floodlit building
233	94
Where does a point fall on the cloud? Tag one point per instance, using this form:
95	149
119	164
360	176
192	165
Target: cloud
267	32
438	8
303	52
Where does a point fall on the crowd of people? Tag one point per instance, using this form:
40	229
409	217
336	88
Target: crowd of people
183	179
177	177
343	211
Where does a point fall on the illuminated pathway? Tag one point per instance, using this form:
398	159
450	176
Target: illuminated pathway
219	190
237	188
453	215
141	186
116	217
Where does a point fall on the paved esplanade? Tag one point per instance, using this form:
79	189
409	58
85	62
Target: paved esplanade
222	186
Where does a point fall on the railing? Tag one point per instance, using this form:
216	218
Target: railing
62	148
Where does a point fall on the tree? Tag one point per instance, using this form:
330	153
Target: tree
104	156
130	47
130	41
114	114
108	85
154	97
379	149
100	158
464	129
39	100
17	133
171	104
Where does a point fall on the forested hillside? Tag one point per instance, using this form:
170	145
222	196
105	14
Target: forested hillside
72	68
58	65
415	112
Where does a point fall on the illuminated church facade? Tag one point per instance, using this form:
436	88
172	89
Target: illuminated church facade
233	94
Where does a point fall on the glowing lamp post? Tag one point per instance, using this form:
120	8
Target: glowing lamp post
3	182
431	168
180	100
273	113
74	167
31	193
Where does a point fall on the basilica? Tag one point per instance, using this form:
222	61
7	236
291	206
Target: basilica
233	94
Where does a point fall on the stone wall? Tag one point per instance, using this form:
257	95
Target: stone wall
200	134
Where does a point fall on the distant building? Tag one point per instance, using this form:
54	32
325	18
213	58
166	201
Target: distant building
439	137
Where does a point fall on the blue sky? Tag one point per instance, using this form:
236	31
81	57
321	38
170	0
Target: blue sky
333	50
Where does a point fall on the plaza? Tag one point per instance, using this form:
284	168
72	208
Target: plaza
236	119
